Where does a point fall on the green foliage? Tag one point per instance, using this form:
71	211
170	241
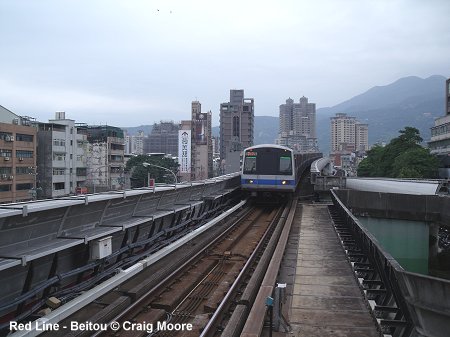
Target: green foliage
370	167
403	157
139	173
415	163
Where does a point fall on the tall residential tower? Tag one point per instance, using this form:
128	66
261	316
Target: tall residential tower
236	129
298	125
348	135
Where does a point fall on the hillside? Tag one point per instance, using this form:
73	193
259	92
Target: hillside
266	130
409	101
133	130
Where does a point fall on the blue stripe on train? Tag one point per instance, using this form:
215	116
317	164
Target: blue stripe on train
267	182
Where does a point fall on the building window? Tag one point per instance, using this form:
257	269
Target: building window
81	171
5	188
5	171
58	186
59	156
5	153
24	154
59	142
24	138
236	126
6	136
24	170
59	171
24	187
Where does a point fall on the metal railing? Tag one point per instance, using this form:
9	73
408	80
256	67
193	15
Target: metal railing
404	303
379	271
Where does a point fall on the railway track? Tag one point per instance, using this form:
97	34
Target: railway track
196	289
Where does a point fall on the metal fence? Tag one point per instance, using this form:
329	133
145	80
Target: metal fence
404	303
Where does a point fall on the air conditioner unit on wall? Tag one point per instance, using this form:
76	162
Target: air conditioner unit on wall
6	158
3	176
11	177
20	159
16	121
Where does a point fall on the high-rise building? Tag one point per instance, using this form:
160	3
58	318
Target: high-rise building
18	172
440	137
347	134
105	157
447	96
236	129
298	125
361	137
162	139
201	145
195	148
134	144
62	157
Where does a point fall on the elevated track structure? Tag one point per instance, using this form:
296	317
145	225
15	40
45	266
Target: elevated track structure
60	248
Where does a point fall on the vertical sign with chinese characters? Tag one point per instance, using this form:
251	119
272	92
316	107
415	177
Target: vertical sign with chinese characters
184	150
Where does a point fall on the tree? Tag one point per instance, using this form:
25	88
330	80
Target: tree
403	157
139	173
369	166
415	163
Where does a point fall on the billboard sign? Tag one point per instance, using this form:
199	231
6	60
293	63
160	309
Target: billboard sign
184	150
200	126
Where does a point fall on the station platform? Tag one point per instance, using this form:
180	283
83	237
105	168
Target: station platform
323	296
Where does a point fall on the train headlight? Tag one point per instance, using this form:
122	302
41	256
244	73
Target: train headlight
250	181
284	182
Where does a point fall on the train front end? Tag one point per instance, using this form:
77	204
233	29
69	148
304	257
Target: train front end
268	170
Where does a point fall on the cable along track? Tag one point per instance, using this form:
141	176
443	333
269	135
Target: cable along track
194	291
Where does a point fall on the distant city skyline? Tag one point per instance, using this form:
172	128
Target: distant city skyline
132	63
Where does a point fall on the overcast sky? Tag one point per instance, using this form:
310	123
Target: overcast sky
131	62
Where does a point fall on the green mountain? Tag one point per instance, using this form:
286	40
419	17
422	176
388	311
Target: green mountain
266	130
134	130
409	101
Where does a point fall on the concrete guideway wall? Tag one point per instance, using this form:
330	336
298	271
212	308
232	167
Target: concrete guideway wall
420	187
426	298
430	208
40	240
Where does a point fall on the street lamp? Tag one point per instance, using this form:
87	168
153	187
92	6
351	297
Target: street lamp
162	168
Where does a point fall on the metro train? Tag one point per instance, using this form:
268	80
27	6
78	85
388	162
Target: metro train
273	169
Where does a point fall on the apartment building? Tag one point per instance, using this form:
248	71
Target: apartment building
18	172
348	135
163	138
105	158
297	128
440	136
201	145
62	148
236	129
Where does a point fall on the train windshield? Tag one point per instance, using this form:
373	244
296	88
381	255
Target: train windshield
268	161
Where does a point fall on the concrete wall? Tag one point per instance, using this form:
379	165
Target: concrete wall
432	208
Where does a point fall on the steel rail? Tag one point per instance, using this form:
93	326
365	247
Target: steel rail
139	301
208	330
87	297
255	320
